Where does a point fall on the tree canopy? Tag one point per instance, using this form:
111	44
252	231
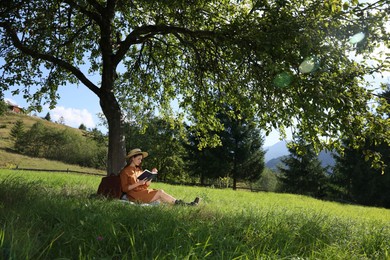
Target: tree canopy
282	63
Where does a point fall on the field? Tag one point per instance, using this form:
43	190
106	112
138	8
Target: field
47	215
10	159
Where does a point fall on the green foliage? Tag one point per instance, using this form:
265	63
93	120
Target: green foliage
239	156
48	117
303	173
355	180
63	145
354	177
17	131
202	55
82	127
3	107
268	181
50	215
162	140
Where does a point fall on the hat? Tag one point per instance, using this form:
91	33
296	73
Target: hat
136	151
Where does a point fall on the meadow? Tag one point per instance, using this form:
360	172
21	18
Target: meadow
46	215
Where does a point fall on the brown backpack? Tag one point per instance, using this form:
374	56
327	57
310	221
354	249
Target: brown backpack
110	187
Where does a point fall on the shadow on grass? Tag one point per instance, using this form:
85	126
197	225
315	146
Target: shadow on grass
41	222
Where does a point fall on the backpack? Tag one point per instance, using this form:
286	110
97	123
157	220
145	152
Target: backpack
110	187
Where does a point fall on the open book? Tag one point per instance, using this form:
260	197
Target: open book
147	175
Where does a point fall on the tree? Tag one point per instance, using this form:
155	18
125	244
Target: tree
303	173
239	156
164	143
66	145
82	127
3	107
61	120
48	117
354	179
17	131
290	60
33	142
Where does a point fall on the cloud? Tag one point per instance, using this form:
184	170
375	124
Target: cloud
10	101
72	117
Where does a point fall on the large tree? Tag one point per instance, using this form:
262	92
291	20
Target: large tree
239	156
354	178
302	172
291	60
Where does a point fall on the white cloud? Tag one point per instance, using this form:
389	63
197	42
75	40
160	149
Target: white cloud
10	101
73	117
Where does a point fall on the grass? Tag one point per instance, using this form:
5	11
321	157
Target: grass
52	216
10	159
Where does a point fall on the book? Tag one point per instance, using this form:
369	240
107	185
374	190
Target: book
147	175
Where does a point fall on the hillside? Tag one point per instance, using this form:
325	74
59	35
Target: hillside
10	159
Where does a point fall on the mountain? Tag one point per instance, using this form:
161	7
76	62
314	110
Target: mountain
275	153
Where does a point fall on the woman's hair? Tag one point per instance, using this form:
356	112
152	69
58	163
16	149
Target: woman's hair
130	160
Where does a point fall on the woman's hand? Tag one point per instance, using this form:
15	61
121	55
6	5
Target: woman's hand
142	182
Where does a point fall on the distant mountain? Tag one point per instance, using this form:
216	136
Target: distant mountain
326	159
273	163
274	155
275	151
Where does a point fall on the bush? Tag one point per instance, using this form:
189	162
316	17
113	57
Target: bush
3	107
61	145
267	182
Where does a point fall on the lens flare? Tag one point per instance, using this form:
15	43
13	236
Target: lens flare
308	65
282	80
357	38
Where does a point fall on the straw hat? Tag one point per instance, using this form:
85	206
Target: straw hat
136	151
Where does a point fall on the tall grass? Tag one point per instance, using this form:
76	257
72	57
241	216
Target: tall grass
53	216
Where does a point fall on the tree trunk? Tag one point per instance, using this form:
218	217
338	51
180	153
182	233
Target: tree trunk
234	173
116	138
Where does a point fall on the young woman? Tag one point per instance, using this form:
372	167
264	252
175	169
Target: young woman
138	190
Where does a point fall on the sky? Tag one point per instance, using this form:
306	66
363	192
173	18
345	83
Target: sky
78	105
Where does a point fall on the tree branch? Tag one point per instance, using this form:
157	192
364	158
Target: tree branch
95	16
141	34
76	34
47	57
96	5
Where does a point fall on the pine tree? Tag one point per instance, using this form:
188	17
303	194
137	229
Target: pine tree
3	107
47	117
17	131
303	173
82	127
355	179
240	156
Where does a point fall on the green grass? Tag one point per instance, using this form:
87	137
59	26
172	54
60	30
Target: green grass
52	216
10	159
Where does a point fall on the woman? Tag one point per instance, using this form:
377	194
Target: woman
138	190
